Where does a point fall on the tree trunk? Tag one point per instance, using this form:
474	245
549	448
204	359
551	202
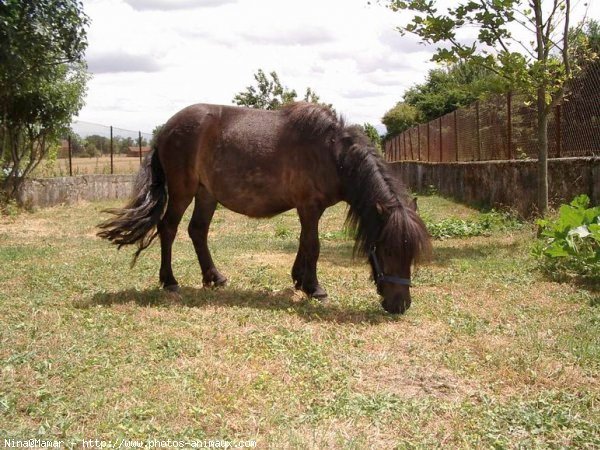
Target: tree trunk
542	135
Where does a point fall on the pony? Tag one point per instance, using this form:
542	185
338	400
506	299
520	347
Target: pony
261	163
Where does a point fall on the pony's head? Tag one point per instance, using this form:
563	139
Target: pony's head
383	217
402	241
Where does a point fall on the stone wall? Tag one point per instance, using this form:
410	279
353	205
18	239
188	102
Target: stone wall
509	184
506	184
68	190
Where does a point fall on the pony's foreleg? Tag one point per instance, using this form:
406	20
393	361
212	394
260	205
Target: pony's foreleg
308	253
298	269
204	209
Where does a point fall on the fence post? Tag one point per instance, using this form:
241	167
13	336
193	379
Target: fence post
112	169
456	135
140	143
478	131
428	143
509	124
402	147
70	155
558	132
440	120
419	142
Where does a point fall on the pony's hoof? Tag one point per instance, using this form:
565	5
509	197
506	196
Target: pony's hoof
215	282
220	282
174	288
319	293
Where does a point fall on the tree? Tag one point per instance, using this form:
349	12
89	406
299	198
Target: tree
270	93
539	64
373	135
447	89
123	144
42	79
401	117
100	144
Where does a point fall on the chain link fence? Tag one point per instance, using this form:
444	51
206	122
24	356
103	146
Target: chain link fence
92	148
504	128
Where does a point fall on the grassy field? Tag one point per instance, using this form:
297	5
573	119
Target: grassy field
489	355
86	166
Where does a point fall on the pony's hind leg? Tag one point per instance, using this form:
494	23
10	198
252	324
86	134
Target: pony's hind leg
167	230
204	208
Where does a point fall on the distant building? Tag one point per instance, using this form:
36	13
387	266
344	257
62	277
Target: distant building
135	151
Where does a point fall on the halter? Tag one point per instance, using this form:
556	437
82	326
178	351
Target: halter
379	277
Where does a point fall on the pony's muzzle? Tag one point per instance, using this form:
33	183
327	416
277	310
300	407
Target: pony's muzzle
399	303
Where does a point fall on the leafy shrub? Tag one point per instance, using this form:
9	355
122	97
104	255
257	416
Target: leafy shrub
485	224
570	244
451	227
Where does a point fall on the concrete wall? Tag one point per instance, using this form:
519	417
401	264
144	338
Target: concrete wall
55	191
511	184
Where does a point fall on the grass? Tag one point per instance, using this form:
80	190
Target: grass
491	354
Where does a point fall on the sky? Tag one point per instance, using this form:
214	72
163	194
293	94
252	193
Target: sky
151	58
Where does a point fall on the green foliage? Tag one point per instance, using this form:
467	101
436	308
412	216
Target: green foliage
527	64
585	43
373	135
485	224
42	79
267	94
400	118
570	244
271	94
448	89
97	145
539	62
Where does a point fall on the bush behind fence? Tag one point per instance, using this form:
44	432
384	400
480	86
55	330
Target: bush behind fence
503	127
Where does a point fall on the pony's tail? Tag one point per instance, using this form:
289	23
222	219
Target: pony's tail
137	221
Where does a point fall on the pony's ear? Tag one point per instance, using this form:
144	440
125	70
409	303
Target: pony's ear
413	204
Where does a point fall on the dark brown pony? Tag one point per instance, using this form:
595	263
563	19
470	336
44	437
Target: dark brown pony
262	163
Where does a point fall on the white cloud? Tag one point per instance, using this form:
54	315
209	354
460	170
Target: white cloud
399	43
169	5
154	57
119	61
300	35
362	93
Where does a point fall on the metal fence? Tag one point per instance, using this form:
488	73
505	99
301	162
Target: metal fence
92	148
504	127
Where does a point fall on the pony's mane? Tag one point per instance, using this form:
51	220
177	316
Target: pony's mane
379	206
312	119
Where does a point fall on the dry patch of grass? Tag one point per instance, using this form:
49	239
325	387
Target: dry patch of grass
87	166
490	354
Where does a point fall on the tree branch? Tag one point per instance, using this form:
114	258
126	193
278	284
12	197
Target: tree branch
565	49
494	30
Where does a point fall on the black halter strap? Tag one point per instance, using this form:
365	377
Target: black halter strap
379	277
